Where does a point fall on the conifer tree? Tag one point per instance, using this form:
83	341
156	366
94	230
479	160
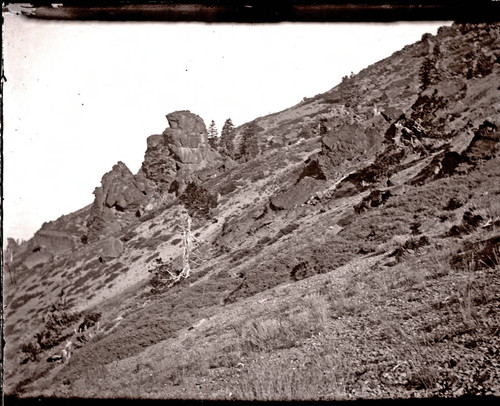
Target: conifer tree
428	74
226	144
212	135
429	70
249	145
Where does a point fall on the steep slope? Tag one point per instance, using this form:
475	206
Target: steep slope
334	249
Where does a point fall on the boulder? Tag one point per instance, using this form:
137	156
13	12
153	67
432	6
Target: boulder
391	114
295	196
56	242
484	144
111	248
37	258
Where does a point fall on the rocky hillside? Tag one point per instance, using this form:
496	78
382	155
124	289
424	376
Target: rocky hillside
354	253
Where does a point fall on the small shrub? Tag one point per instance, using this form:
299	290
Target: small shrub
424	378
290	228
147	216
30	349
265	335
484	65
89	320
149	259
128	236
111	277
264	240
198	200
344	305
411	245
241	254
56	324
302	270
317	307
22	300
163	274
257	176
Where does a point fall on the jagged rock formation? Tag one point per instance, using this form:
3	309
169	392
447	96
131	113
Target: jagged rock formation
179	152
121	190
432	127
172	160
118	200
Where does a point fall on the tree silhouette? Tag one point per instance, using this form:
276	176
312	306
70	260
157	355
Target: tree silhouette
429	70
226	144
213	135
249	145
428	73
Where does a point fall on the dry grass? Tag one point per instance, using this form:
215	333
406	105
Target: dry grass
309	317
327	369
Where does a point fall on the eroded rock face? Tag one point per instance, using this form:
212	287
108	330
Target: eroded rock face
117	201
179	152
121	190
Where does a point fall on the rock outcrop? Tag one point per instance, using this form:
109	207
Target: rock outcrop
56	242
121	190
179	152
342	145
297	195
172	160
118	200
111	248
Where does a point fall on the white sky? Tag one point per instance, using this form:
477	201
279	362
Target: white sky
81	96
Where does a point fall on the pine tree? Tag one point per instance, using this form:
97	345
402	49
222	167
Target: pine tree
226	144
429	70
249	145
428	74
213	135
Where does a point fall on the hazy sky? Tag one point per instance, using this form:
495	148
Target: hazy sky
81	96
